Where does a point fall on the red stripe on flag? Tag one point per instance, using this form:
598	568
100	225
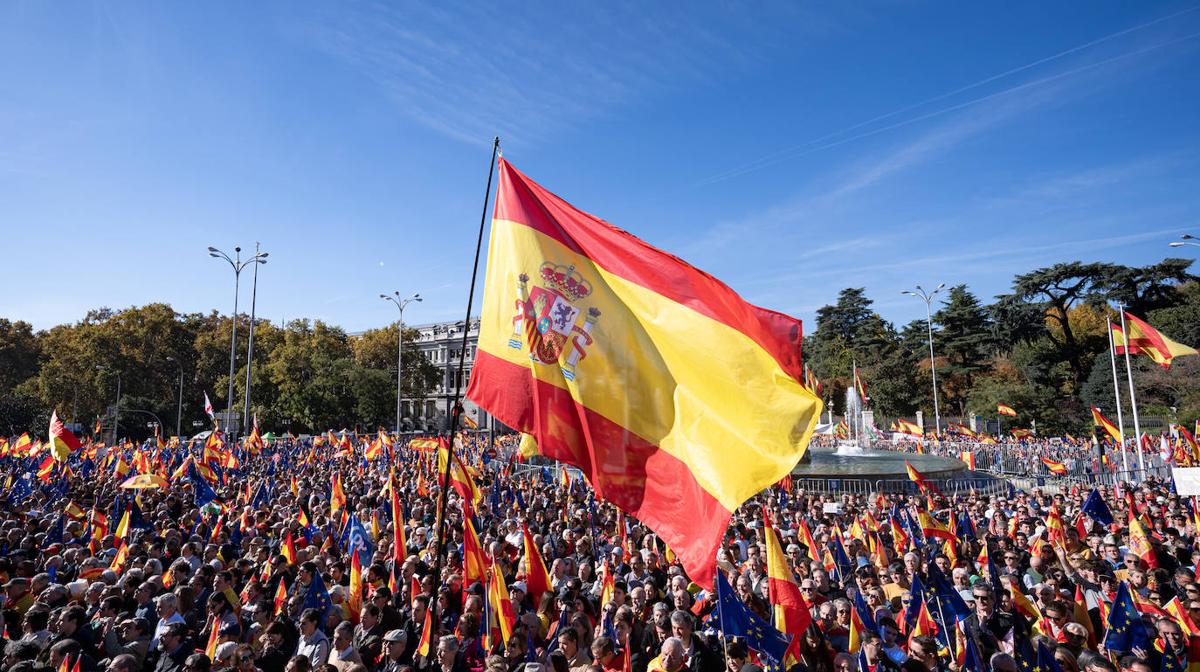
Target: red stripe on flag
622	467
619	252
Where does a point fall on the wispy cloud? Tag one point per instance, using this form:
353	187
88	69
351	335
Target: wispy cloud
525	72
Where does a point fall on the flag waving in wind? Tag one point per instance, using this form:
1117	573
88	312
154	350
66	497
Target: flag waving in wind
62	441
602	348
208	408
1146	340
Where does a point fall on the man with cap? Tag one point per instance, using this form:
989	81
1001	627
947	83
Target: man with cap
18	598
394	644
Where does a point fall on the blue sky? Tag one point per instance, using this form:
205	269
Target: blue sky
791	150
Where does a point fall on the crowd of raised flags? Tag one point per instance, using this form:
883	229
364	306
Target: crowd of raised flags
264	540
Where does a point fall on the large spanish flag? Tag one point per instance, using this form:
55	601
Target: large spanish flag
676	398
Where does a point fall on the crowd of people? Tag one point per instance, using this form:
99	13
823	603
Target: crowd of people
283	556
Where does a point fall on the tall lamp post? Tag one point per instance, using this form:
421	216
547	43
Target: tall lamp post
400	303
927	297
258	259
179	410
237	264
116	404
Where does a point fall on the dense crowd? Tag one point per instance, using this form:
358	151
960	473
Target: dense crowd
245	561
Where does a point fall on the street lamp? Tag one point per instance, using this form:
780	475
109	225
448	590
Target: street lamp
116	404
400	303
1189	238
258	259
179	411
927	297
237	265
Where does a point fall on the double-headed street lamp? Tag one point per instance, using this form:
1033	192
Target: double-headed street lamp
1187	239
400	303
927	297
238	264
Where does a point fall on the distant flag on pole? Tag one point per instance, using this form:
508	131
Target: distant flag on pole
1146	340
1005	409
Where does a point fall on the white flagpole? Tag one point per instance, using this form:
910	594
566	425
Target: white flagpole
1112	356
1137	428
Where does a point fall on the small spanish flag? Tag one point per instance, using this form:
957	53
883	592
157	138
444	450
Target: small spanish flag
1056	468
1005	409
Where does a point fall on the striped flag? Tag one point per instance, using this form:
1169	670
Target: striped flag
1005	409
1104	423
602	347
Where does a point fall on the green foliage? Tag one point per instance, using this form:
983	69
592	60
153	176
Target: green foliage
1041	348
311	374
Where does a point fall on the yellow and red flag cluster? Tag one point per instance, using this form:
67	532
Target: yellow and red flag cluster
600	346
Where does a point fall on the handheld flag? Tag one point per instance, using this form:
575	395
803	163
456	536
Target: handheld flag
1107	425
1126	629
1096	509
604	324
62	441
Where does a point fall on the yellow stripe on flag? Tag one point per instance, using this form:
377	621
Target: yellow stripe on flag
688	364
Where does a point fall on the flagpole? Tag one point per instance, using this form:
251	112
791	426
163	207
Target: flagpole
1137	429
1112	358
721	614
454	410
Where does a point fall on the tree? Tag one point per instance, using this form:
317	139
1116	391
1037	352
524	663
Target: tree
19	353
963	340
1148	288
1057	289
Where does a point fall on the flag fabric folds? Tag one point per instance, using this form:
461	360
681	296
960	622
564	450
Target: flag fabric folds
1126	629
1146	340
602	347
1005	409
62	441
736	620
1104	423
791	610
1096	509
1056	468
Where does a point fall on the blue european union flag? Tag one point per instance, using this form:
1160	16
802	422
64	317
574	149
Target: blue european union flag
1046	660
948	598
55	534
738	621
864	614
317	596
1096	509
1126	630
202	492
918	598
262	496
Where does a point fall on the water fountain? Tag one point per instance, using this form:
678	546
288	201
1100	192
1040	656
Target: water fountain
855	466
